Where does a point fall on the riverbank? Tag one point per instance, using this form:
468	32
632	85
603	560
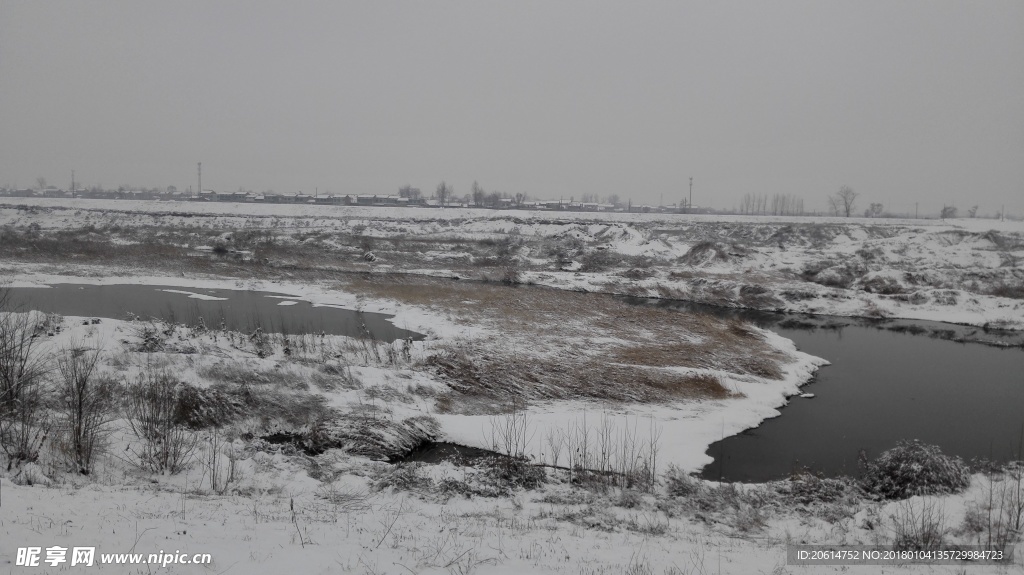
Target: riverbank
965	271
557	355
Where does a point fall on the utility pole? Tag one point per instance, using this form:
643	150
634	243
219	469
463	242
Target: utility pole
200	179
72	183
690	205
915	210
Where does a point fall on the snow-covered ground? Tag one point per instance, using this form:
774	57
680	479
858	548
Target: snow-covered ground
334	512
291	528
965	271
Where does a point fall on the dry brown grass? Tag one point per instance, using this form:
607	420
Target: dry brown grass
557	344
497	382
698	356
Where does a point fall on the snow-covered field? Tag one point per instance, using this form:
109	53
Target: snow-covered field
536	358
965	271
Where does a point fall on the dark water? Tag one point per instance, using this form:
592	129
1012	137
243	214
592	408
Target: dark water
242	310
436	452
888	381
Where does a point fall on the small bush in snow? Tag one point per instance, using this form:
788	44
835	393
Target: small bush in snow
151	408
806	488
24	392
629	500
510	473
679	484
404	477
918	526
914	468
86	403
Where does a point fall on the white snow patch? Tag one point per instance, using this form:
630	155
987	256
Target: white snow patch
194	295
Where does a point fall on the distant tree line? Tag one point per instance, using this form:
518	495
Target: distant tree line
775	205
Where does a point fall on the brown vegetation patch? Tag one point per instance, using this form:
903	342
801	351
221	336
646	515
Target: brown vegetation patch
565	345
497	383
699	356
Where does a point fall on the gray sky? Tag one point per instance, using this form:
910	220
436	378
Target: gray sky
903	101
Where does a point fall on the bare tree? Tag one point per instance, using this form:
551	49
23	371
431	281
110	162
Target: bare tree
947	212
443	192
408	191
86	402
843	202
478	194
41	183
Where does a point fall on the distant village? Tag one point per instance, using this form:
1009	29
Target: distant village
408	197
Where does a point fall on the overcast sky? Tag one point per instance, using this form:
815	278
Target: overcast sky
903	101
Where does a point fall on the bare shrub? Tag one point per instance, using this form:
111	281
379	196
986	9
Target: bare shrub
24	422
343	498
629	499
87	402
914	468
151	406
333	375
262	344
511	273
997	520
221	462
21	361
213	406
918	525
506	474
1013	495
806	488
511	432
603	455
599	260
733	504
404	477
565	249
151	337
749	518
678	483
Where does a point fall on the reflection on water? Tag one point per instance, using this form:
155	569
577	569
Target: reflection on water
888	381
239	310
